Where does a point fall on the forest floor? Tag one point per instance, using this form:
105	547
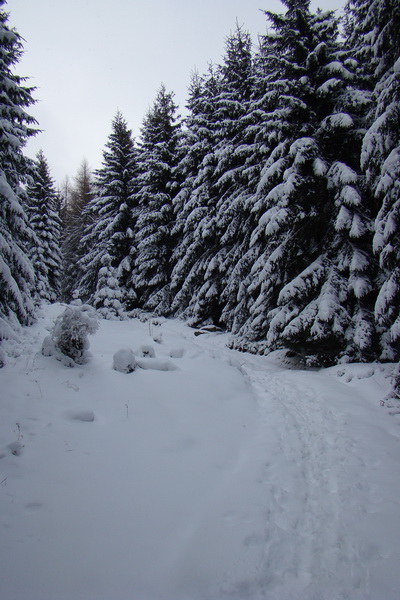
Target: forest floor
209	475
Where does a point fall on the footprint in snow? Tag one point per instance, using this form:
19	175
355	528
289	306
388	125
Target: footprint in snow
80	415
15	448
33	506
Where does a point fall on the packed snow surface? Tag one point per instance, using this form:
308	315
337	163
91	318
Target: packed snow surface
228	476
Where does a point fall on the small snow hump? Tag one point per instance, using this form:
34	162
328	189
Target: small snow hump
146	350
124	361
156	364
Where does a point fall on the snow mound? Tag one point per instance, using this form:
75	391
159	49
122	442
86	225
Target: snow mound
124	360
146	350
156	364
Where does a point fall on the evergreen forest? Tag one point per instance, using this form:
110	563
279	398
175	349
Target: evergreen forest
272	210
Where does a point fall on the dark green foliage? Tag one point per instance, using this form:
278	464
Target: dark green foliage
75	220
214	130
108	263
43	207
380	160
16	236
153	227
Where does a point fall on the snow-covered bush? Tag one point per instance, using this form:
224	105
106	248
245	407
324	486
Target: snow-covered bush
124	360
68	341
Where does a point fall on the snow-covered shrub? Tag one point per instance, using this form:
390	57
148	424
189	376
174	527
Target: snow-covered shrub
124	360
68	341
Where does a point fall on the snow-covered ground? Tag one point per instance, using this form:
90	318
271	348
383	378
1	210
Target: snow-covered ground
226	476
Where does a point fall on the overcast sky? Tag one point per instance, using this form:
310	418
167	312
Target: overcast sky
89	58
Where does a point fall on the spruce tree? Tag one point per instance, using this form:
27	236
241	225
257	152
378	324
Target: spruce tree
108	236
75	220
380	160
153	227
210	210
229	157
233	170
43	206
193	203
310	285
256	142
284	220
16	236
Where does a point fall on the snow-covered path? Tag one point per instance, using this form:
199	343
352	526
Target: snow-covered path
332	465
230	477
318	487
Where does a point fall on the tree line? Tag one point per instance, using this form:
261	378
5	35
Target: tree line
272	209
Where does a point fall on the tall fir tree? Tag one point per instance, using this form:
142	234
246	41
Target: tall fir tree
43	208
284	207
232	179
209	206
300	295
257	139
16	126
156	161
108	236
229	157
380	160
192	204
75	220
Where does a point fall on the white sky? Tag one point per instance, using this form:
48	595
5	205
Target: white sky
89	58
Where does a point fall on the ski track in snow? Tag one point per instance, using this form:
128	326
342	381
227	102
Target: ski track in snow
296	499
313	500
305	549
